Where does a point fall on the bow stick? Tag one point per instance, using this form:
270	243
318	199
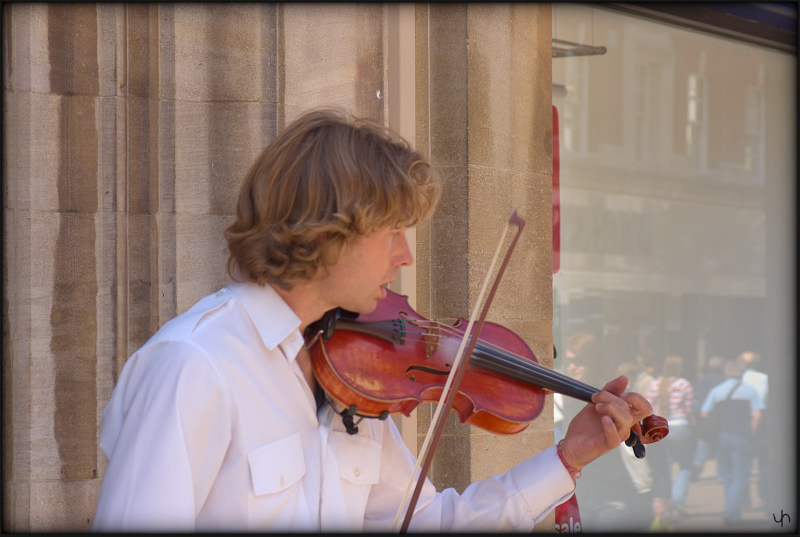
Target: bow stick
457	373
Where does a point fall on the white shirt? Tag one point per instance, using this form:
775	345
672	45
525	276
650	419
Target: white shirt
722	391
212	426
757	380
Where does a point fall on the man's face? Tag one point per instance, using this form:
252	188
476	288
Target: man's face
355	282
748	358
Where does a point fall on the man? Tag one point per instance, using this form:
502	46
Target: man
760	382
702	385
216	423
739	413
753	376
647	371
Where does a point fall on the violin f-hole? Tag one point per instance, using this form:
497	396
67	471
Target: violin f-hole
424	369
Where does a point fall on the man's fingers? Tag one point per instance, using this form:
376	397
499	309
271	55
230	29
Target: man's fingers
615	389
616	386
621	412
640	407
614	431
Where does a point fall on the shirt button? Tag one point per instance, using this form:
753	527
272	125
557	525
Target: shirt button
357	472
220	293
283	482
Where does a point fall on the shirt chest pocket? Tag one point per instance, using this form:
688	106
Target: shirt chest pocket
277	466
359	458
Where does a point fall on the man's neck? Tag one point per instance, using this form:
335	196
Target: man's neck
305	303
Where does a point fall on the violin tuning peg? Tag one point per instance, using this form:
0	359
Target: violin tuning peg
633	439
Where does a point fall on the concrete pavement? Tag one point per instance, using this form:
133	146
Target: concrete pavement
703	510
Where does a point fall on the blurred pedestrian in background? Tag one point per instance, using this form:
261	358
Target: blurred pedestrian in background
737	409
646	375
755	376
581	352
672	397
702	385
615	493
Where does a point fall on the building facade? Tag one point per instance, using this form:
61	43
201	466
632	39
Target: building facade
127	128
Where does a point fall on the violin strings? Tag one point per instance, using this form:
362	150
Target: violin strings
510	361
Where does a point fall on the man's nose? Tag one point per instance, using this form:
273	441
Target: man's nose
403	256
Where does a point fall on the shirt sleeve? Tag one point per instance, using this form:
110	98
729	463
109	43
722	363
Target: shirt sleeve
710	401
165	433
512	501
687	401
756	403
652	391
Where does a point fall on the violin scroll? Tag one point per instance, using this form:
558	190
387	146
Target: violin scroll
654	428
651	429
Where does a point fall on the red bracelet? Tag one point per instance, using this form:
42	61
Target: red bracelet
575	474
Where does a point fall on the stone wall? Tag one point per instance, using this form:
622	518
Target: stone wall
127	128
485	110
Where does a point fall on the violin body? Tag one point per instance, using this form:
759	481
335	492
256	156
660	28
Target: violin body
377	374
393	359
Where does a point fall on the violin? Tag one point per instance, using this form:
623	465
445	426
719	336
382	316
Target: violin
391	360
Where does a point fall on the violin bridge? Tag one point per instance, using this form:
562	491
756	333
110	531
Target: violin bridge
431	338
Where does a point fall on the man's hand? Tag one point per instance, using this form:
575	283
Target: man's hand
604	423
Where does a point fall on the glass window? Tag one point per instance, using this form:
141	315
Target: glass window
677	188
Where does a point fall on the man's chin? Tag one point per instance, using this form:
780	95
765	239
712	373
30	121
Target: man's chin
365	307
369	305
369	308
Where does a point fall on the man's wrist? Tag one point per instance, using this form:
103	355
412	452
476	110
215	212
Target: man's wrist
574	472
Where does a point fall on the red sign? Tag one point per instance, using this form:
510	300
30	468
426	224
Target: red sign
556	197
568	516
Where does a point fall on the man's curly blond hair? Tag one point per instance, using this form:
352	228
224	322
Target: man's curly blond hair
327	180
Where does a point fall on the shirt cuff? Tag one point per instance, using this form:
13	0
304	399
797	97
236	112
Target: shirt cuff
543	482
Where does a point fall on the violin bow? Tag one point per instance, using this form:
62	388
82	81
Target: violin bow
456	374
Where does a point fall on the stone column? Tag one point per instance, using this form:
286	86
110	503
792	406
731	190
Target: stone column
128	128
60	257
484	109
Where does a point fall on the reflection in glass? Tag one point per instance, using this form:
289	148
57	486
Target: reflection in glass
677	178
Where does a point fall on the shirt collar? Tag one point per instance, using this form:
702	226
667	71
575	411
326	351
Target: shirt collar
275	321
